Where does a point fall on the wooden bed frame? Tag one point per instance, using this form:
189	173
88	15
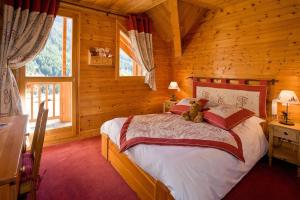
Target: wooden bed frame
145	186
142	183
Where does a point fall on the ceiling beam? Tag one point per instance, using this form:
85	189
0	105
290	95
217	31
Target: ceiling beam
175	26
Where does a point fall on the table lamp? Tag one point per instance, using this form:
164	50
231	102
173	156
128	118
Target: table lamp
174	87
287	97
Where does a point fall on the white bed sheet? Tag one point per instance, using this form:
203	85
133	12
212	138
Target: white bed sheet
193	173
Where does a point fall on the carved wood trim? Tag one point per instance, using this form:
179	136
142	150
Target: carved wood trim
240	81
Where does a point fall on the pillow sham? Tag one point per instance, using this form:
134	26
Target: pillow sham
227	116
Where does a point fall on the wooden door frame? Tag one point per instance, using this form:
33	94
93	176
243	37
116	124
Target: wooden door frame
56	135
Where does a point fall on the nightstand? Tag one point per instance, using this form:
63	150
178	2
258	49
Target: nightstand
168	104
284	143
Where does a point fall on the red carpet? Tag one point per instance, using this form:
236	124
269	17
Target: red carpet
278	182
77	171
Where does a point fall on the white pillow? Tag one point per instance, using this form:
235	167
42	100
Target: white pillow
186	101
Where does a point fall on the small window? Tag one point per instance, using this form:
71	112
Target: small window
128	63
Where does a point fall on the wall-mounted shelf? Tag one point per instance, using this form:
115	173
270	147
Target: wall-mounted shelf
100	56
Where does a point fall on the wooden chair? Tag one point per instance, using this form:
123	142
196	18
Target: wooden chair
31	162
31	145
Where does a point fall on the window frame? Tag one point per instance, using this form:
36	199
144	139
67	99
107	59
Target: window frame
119	28
71	131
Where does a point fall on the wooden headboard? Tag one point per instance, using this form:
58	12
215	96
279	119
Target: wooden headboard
248	93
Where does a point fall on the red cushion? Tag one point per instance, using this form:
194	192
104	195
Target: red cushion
27	155
227	117
27	161
203	102
179	109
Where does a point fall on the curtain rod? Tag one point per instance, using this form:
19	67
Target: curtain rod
96	9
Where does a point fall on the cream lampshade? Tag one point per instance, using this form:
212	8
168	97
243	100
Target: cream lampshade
174	87
287	97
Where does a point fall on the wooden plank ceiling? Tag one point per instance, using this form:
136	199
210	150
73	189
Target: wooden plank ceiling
140	6
212	3
118	6
172	19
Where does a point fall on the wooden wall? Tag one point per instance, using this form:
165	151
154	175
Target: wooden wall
1	17
250	39
101	96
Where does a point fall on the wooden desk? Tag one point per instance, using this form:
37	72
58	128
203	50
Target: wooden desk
11	143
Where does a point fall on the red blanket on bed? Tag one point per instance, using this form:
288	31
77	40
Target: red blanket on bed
170	129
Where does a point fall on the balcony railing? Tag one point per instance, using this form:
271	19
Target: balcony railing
57	97
38	92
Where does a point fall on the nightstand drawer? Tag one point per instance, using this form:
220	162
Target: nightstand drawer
286	134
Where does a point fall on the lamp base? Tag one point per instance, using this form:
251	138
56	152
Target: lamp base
289	123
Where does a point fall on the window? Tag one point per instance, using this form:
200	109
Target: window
49	77
128	63
55	58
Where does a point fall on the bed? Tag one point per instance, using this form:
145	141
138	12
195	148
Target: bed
189	172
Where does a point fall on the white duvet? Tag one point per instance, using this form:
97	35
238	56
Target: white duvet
196	173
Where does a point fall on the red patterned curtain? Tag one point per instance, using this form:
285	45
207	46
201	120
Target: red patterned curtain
140	34
26	27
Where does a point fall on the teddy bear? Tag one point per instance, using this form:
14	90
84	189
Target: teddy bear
194	113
